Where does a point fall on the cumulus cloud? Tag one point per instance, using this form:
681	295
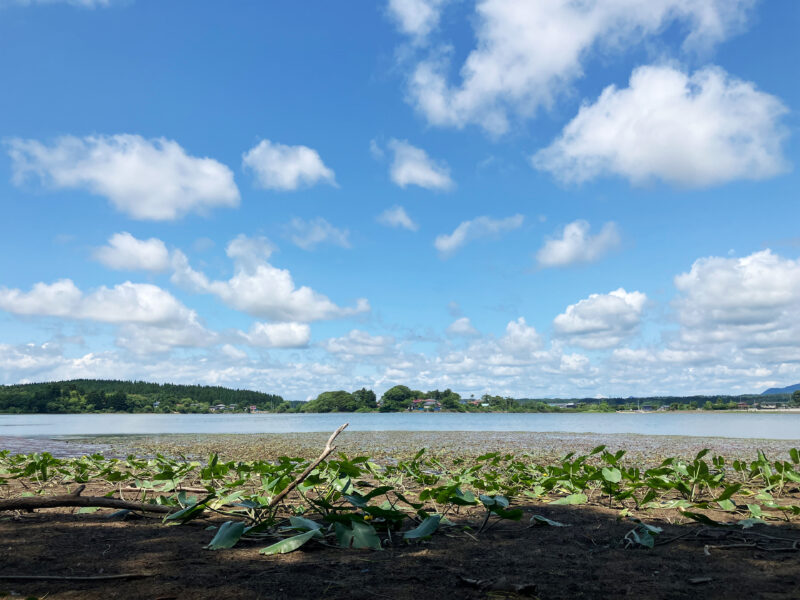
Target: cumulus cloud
124	303
309	234
125	252
280	167
396	216
576	245
477	228
261	289
150	319
753	301
359	343
462	327
698	130
145	179
520	338
278	335
529	53
601	320
413	166
416	18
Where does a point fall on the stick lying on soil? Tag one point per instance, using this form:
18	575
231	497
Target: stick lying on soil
75	499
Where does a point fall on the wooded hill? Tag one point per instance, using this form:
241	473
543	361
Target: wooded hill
101	395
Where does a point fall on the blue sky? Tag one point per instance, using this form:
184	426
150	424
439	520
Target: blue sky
531	199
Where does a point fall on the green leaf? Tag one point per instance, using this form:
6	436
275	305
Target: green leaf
425	529
612	475
794	454
572	499
87	510
228	534
540	520
700	518
727	505
290	544
729	491
748	523
357	535
303	524
755	510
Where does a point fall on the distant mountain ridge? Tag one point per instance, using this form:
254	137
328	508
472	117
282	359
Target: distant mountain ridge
784	390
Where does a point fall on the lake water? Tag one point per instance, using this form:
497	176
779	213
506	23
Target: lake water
776	426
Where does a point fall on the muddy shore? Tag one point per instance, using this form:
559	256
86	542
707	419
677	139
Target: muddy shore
398	444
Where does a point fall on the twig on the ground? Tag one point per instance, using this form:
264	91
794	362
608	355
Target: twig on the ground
34	502
329	447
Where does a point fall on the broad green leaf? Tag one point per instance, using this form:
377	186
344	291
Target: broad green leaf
572	499
612	475
794	454
289	544
228	534
729	491
425	529
700	518
357	535
755	510
727	505
303	524
87	510
748	523
540	520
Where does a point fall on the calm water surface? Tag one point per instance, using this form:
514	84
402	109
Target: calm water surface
734	425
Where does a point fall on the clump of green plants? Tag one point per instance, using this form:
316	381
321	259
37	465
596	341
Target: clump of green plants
354	502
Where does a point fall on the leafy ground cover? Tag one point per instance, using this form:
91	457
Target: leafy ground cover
496	525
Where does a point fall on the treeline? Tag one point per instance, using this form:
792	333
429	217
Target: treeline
99	395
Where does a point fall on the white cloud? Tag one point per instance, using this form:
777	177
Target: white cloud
261	289
753	302
281	167
520	338
150	319
279	335
146	179
124	303
358	343
527	54
416	17
396	216
125	252
461	326
601	320
308	234
413	166
479	227
576	245
697	130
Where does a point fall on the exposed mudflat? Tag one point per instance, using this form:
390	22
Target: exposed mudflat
452	444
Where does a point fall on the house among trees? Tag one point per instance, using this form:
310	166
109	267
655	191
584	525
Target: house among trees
425	404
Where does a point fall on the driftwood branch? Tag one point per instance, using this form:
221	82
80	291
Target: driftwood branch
329	447
33	502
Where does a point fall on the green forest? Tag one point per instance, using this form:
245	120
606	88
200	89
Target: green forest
107	396
99	395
